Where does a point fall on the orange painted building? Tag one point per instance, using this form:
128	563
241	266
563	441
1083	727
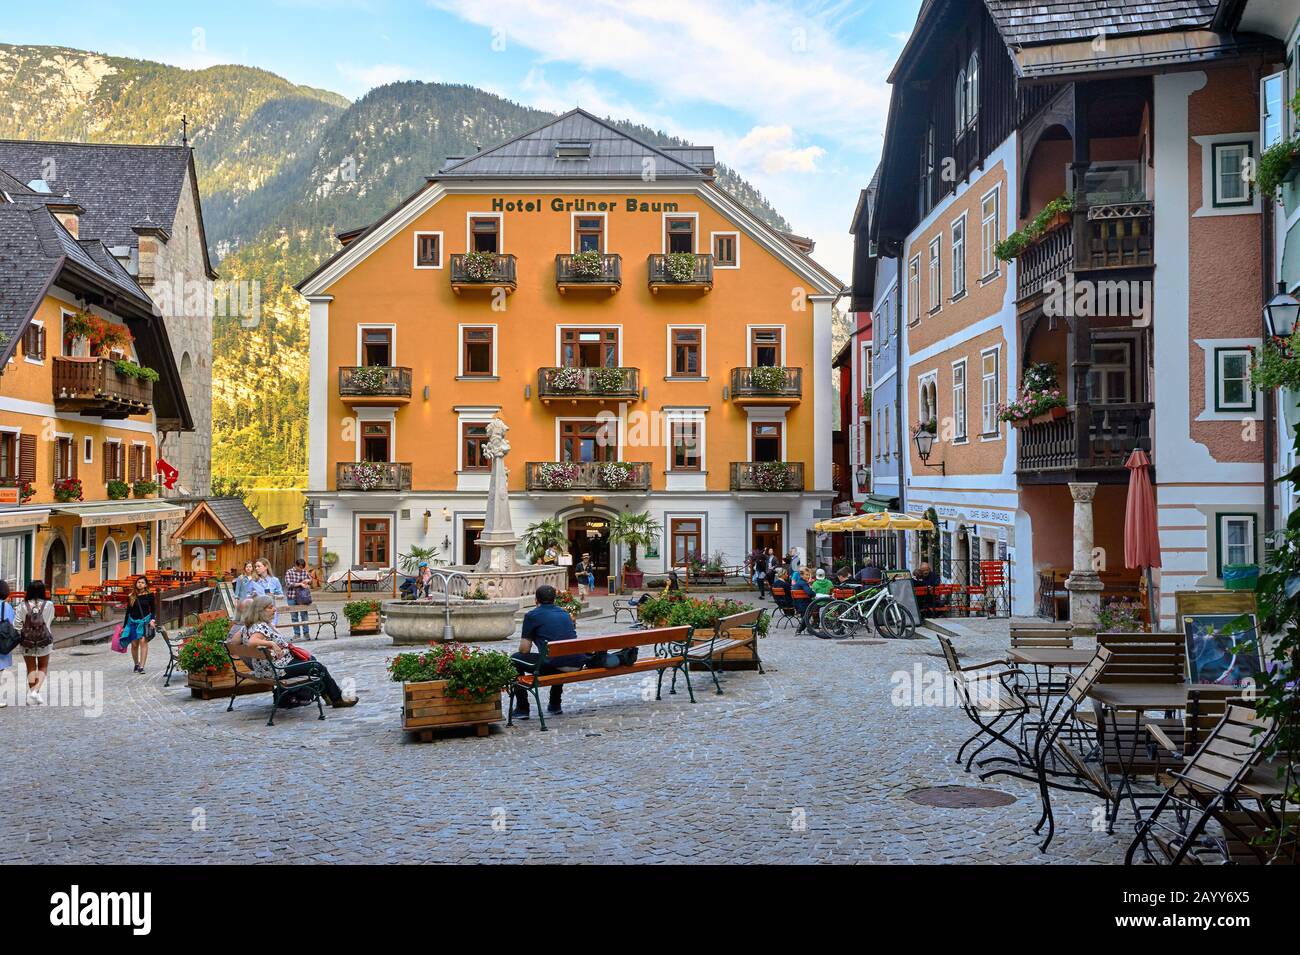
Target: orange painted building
650	343
87	383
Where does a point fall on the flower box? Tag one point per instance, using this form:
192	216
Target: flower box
426	708
1051	414
220	685
367	625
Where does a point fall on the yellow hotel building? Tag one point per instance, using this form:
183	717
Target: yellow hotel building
651	344
71	319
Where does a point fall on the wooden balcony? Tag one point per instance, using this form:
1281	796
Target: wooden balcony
1061	450
701	279
607	476
609	276
1102	237
374	385
1046	261
468	272
388	476
94	386
766	386
771	477
588	384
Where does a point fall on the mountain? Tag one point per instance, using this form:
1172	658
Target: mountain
282	167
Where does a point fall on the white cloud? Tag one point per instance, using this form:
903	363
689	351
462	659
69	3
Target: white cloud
361	78
767	61
772	149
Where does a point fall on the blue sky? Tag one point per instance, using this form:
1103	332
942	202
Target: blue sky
792	94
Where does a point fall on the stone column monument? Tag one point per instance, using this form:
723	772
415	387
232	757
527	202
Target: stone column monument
497	541
1084	584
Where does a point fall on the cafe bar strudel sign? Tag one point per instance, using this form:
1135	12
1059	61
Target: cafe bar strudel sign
557	204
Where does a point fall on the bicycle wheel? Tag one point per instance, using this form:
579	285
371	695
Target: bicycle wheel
890	620
834	621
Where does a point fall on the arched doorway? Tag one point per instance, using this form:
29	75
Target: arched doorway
108	561
589	534
137	555
56	565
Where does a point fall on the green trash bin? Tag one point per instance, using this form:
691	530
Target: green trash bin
1240	576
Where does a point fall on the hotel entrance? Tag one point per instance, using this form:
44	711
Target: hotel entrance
590	535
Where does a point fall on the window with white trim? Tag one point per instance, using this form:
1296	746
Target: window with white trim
1231	167
989	393
428	250
914	290
959	400
936	264
989	227
958	246
1236	540
1232	388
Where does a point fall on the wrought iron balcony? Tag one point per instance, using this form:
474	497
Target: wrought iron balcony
587	476
482	270
375	384
607	274
94	386
663	275
769	476
1061	449
589	384
372	476
766	385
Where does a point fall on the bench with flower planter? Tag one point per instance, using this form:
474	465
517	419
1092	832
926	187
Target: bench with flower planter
731	645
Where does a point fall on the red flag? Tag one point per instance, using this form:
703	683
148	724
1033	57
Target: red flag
168	473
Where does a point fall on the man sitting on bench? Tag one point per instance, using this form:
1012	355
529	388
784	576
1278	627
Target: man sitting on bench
544	624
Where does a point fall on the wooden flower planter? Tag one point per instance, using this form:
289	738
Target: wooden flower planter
367	626
220	685
427	709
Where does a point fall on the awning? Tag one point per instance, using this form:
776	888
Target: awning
879	502
12	518
101	513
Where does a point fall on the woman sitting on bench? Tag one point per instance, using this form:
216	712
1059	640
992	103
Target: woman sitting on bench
258	631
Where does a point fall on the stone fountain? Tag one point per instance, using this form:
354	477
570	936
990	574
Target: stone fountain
508	584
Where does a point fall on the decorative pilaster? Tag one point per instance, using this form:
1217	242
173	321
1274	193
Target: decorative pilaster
1083	583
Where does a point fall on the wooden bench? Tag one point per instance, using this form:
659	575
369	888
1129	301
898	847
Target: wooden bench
241	663
669	643
733	644
1041	637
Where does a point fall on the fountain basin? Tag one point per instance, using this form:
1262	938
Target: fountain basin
419	622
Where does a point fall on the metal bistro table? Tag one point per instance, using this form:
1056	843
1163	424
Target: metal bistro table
1138	699
1049	659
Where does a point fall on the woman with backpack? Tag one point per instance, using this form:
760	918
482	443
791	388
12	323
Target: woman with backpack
32	619
137	629
7	616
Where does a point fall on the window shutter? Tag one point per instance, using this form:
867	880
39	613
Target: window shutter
148	464
72	457
27	457
133	466
42	344
106	454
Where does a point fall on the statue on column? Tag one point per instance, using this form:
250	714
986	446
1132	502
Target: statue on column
497	541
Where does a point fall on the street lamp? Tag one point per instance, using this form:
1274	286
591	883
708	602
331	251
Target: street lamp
862	475
1281	312
924	445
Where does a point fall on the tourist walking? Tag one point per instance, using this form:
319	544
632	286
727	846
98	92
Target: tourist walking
546	623
585	574
297	584
138	627
259	631
773	565
32	619
758	571
7	616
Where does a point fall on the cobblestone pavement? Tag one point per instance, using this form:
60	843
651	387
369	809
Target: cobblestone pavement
808	763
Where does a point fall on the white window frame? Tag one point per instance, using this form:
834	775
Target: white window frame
765	416
668	353
87	449
1220	403
460	350
695	232
990	226
736	237
465	414
1216	151
914	289
392	341
602	326
1279	78
960	413
936	273
928	380
749	339
988	411
1209	170
39	361
957	252
680	479
377	416
415	249
501	229
1221	522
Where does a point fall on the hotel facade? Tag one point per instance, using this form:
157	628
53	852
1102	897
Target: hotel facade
650	343
1142	295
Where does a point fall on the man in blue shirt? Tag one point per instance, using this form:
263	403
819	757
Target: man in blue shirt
544	624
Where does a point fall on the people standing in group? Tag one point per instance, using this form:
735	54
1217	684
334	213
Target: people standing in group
32	619
244	582
297	584
258	616
7	616
138	627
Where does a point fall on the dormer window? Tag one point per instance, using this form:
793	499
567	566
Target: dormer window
573	149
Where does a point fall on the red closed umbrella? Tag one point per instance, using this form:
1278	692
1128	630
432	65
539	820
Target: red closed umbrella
1141	532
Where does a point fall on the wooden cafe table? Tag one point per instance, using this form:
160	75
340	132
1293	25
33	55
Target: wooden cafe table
1138	699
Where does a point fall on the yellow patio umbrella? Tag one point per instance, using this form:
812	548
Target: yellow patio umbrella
835	524
889	521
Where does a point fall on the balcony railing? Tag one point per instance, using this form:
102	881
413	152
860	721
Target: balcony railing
772	476
699	277
372	476
615	384
1062	447
766	382
608	275
1116	235
1046	261
95	386
587	476
374	381
497	270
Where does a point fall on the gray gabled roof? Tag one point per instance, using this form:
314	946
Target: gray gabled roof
235	516
1027	22
119	185
614	155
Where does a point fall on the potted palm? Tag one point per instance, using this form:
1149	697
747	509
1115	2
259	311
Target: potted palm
634	530
545	535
